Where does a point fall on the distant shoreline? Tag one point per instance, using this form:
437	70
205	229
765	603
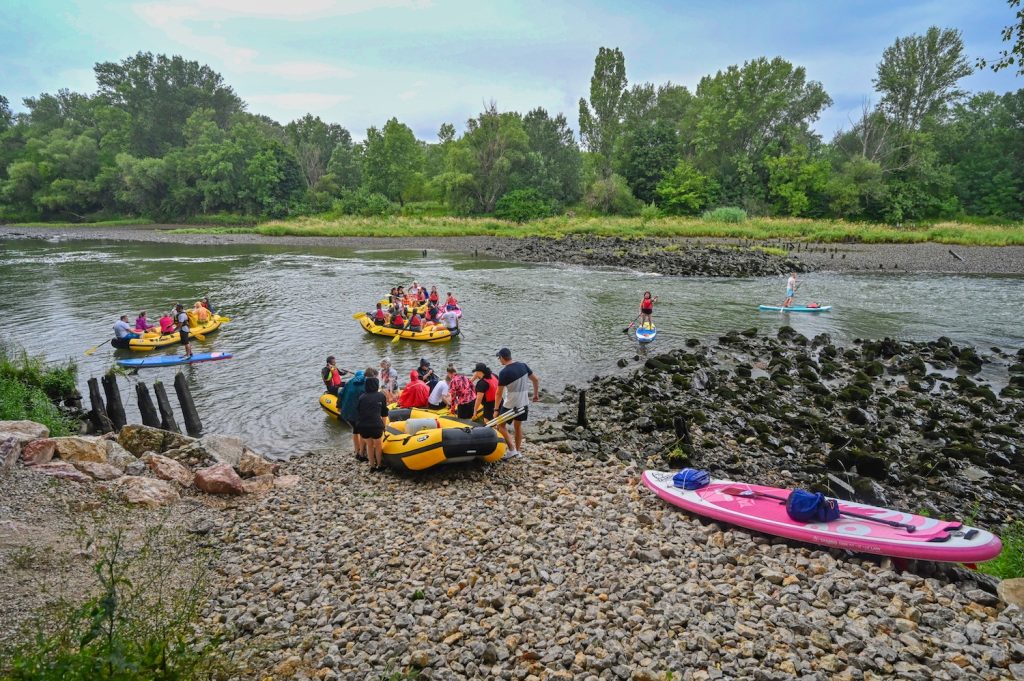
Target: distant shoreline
900	258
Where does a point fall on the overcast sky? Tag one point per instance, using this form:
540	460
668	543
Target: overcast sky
360	62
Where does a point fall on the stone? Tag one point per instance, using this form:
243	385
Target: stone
62	470
118	455
80	448
168	469
287	481
10	450
261	483
1011	591
253	465
223	448
99	471
139	439
38	451
148	492
220	478
23	431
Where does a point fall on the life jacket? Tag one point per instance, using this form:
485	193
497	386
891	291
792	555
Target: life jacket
379	315
201	313
398	320
647	304
492	390
434	297
416	320
166	325
335	377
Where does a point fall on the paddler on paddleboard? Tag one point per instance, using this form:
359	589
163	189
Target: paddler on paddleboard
791	285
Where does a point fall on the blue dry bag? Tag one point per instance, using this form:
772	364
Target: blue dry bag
691	478
811	507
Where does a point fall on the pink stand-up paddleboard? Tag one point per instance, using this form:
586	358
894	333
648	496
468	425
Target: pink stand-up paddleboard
932	539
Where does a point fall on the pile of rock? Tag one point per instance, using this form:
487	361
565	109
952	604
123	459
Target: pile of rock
142	465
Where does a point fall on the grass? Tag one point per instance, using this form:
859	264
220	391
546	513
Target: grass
29	391
1010	563
757	229
121	222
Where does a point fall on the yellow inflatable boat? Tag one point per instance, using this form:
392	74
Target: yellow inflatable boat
435	334
425	440
153	339
408	303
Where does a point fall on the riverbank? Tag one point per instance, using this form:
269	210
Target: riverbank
683	256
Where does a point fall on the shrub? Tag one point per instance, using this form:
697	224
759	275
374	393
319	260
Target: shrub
726	214
522	205
1010	563
365	203
29	390
611	196
649	212
686	190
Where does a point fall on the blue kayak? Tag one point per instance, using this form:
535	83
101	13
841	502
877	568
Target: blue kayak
794	308
172	360
646	334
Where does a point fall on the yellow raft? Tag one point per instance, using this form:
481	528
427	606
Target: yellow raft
153	340
407	303
425	440
435	334
329	403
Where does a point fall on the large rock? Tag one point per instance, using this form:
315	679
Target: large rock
78	448
38	451
23	431
261	483
118	455
10	449
223	448
220	478
146	491
139	439
99	471
1011	591
168	469
62	470
253	465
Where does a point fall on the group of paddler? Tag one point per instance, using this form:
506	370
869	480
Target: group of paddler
417	309
178	320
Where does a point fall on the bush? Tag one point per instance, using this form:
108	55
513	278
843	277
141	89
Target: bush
522	205
648	213
29	390
222	220
1010	563
686	190
364	203
726	214
611	196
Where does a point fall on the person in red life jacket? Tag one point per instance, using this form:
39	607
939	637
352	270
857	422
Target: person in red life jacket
434	297
380	316
331	376
397	320
416	322
166	324
450	303
415	393
485	384
647	308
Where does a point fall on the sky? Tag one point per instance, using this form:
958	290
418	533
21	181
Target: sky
427	62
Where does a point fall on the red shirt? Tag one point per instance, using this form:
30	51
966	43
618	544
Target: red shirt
415	394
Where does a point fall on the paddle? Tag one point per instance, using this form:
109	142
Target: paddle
93	349
740	492
631	323
358	315
224	320
396	338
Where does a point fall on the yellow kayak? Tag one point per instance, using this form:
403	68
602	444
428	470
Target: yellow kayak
427	440
153	339
434	334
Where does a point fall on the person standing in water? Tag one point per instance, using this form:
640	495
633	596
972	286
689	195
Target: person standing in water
181	324
791	285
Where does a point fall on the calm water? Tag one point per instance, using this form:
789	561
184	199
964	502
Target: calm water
292	306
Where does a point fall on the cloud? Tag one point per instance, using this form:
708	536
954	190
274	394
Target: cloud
306	70
286	106
161	13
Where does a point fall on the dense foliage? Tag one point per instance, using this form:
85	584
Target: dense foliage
30	390
165	139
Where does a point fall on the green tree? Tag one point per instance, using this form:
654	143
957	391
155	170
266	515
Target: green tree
918	76
393	161
552	164
686	190
484	160
796	182
314	142
611	196
648	147
600	120
856	190
1013	33
6	116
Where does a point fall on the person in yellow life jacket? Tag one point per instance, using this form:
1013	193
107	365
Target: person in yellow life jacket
331	376
202	314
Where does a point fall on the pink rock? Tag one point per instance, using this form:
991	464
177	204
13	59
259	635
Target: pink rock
99	471
146	491
252	464
38	451
261	483
287	481
220	478
63	470
168	469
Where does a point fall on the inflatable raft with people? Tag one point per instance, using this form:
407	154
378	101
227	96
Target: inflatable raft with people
434	334
154	339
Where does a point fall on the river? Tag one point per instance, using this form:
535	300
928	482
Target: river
292	306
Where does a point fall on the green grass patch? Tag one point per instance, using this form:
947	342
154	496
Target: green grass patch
756	229
1010	563
121	222
29	391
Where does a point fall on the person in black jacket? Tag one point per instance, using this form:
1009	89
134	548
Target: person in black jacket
372	420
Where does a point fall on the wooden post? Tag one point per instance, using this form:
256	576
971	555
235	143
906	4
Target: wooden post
682	428
167	421
581	410
146	407
98	413
114	406
188	408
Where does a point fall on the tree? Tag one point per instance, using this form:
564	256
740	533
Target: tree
918	76
600	119
796	182
686	190
392	161
1015	53
482	163
552	164
6	116
314	142
648	147
611	196
856	190
159	93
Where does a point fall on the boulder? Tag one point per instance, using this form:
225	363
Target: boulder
99	471
1011	591
287	481
118	455
168	469
139	439
253	465
38	451
79	448
10	449
260	483
223	449
63	470
23	431
220	478
146	491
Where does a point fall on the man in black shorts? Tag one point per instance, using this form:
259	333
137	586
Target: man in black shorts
181	322
514	393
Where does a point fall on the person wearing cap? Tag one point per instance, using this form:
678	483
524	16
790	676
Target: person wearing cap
514	393
181	324
388	379
415	394
485	384
331	376
426	373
